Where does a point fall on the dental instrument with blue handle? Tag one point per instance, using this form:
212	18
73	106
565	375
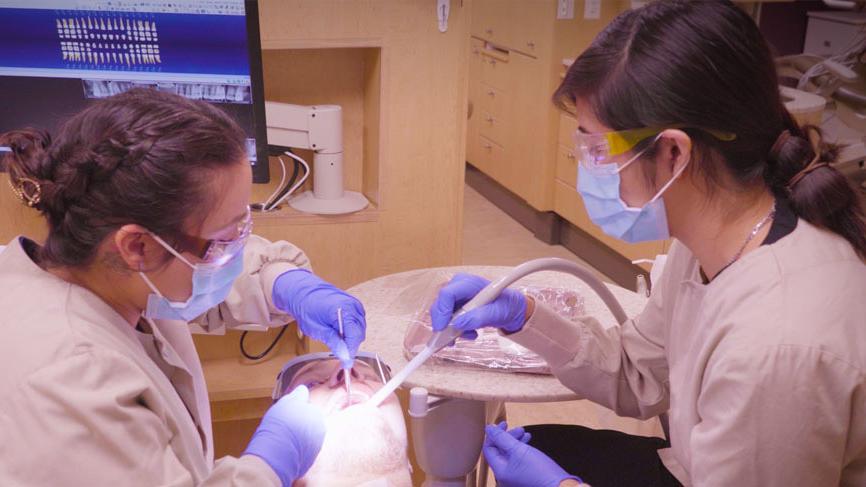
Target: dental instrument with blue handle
442	339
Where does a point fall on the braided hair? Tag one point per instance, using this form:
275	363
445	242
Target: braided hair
140	157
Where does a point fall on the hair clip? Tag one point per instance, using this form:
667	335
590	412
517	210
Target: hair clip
30	198
815	164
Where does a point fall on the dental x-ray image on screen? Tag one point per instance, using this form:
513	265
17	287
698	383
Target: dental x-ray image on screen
58	55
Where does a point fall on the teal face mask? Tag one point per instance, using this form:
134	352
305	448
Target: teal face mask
600	190
211	285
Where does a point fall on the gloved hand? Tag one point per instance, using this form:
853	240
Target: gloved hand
516	464
290	436
314	303
508	311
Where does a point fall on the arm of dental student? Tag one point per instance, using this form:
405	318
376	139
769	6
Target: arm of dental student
623	367
251	298
278	286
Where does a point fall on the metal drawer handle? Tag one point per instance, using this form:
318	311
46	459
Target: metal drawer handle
491	93
489	119
571	155
531	44
488	146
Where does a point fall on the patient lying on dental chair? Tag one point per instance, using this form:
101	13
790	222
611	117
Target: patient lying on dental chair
364	445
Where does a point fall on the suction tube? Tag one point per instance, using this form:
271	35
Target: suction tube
443	338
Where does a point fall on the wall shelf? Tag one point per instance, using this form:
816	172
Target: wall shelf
288	215
347	76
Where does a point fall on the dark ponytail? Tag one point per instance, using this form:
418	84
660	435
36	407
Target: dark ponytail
705	64
140	157
799	168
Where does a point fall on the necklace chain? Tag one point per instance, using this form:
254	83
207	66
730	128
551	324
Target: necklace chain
752	234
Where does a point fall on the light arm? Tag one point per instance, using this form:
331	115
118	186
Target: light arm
316	127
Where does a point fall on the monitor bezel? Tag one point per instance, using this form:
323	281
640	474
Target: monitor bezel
261	171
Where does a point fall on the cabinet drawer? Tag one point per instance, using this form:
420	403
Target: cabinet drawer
495	70
477	152
489	157
567	128
566	166
473	108
491	100
525	26
494	155
531	27
492	127
569	205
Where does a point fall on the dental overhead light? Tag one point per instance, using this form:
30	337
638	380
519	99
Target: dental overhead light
320	129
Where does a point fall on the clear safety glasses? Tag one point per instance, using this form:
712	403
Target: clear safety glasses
216	252
599	152
295	366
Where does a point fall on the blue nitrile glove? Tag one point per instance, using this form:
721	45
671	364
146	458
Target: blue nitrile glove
314	303
290	436
508	311
518	433
516	464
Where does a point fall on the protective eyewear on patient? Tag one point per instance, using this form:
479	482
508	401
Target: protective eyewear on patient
373	366
215	251
598	151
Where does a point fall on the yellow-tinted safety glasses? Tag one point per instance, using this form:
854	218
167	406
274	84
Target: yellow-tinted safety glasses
597	150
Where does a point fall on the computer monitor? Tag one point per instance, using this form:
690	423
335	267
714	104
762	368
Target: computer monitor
56	56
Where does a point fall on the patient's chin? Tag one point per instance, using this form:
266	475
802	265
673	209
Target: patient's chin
360	446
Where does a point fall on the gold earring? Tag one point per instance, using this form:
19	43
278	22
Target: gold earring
30	198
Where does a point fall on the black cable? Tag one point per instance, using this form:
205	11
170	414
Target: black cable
267	350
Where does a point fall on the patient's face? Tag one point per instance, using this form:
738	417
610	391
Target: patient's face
362	443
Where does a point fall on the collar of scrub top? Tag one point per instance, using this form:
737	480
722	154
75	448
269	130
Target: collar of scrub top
287	373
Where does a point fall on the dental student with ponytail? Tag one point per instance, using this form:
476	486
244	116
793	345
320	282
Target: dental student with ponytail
754	339
145	195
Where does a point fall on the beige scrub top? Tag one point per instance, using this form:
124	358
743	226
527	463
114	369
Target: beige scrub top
86	399
761	370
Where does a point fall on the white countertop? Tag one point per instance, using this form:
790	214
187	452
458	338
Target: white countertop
390	302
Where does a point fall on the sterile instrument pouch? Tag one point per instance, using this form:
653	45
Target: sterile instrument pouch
491	350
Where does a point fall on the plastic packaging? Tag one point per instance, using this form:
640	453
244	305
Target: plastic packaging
491	349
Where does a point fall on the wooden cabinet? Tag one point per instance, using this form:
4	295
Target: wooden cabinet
509	110
517	48
473	102
518	24
508	81
515	134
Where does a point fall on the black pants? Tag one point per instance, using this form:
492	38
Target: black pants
604	458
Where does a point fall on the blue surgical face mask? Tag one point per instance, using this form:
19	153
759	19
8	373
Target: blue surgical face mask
210	286
600	190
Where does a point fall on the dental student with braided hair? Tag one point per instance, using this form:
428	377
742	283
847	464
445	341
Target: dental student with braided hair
754	338
145	195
